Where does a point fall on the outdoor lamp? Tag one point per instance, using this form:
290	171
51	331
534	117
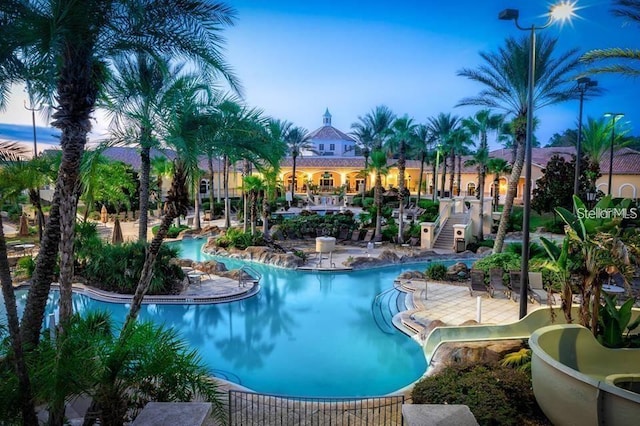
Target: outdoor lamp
560	12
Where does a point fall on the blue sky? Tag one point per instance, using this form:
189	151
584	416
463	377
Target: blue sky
296	58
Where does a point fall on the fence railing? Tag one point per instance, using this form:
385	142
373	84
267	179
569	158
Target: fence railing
247	409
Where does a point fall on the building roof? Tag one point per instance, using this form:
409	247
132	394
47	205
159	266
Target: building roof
329	133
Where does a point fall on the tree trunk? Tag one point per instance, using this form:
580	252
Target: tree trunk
196	207
38	295
459	174
516	170
452	175
401	186
378	201
482	177
145	173
293	180
433	182
34	197
227	201
420	179
211	209
13	324
444	174
246	171
265	215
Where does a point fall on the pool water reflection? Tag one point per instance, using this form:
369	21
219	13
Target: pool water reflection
305	333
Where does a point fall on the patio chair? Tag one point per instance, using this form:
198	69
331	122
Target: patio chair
368	236
536	289
496	282
515	278
477	282
343	234
355	235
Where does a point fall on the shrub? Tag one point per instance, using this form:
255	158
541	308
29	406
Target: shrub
236	238
495	394
506	261
535	250
26	265
390	231
437	271
554	226
117	268
172	232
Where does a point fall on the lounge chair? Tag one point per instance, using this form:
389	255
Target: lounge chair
536	289
515	278
355	235
368	236
414	241
496	282
477	282
343	234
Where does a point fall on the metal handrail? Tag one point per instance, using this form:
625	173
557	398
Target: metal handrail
255	275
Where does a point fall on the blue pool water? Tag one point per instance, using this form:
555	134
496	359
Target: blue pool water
305	333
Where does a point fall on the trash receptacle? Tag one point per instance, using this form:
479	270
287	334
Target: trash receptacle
460	245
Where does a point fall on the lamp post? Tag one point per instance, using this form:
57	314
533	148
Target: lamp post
614	116
584	83
435	176
561	12
33	110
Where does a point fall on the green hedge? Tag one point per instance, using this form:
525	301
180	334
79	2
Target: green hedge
496	395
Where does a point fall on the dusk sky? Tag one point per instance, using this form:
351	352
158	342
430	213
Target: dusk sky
296	58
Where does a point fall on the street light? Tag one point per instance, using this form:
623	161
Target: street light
584	83
33	119
560	12
614	116
435	176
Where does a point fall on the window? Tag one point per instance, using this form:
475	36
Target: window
321	147
332	147
471	188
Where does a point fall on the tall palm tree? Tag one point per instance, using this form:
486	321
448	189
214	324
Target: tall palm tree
459	144
255	187
422	148
618	60
297	140
364	138
497	166
378	166
81	39
443	127
479	126
402	135
504	77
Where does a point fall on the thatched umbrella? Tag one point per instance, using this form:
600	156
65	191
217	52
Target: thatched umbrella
116	237
104	214
23	230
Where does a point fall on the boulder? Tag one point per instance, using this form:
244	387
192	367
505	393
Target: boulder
458	272
412	275
484	250
472	352
211	267
389	256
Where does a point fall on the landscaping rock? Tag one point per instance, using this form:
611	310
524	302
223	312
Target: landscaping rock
472	352
412	275
458	271
210	267
484	250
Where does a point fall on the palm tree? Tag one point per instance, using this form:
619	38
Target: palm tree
497	166
625	61
364	137
422	147
402	135
297	140
161	168
479	126
504	77
442	128
596	138
83	37
378	166
254	187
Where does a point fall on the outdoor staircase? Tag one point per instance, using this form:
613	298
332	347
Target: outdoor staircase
445	240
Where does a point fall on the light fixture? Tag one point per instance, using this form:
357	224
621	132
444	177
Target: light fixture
558	13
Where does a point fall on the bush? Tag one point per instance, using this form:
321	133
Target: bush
535	250
117	268
496	395
26	265
505	261
437	271
173	231
554	226
236	238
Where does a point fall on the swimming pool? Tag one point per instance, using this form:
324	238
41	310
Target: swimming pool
305	333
